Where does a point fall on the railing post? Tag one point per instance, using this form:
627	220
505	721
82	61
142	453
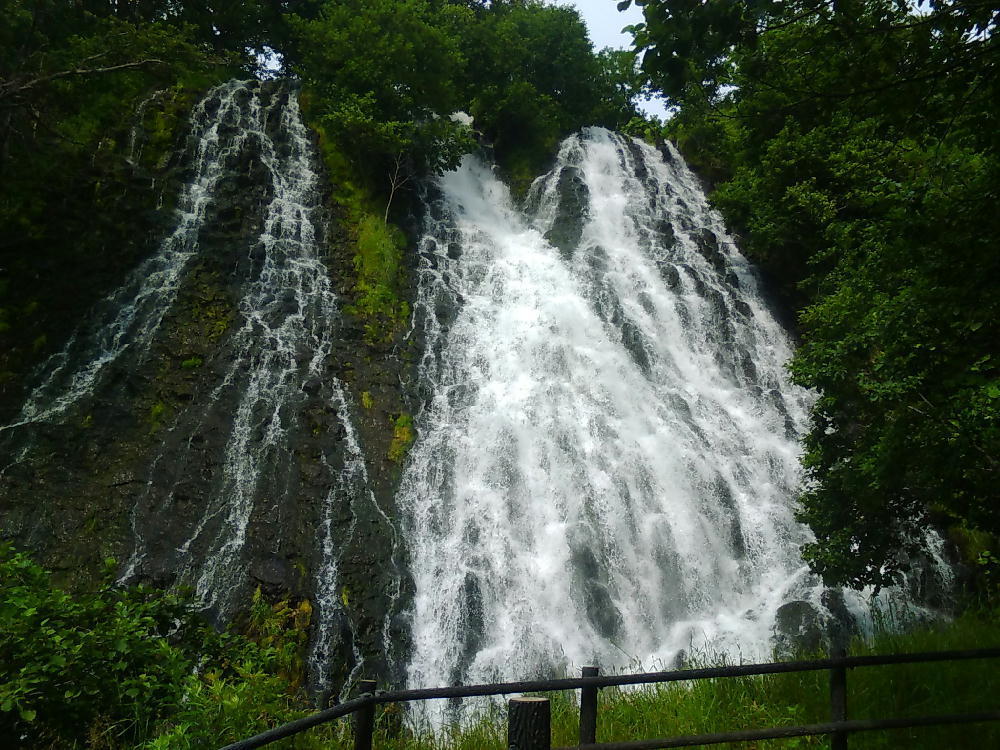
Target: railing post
528	724
364	718
588	709
838	698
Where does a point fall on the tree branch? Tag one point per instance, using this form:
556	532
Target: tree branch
11	88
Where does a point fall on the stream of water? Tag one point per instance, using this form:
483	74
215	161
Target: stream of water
608	446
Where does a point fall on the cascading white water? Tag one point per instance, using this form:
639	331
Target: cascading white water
270	368
288	315
288	325
128	319
608	453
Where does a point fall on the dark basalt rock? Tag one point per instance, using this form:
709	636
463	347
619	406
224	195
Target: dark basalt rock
147	450
571	214
798	626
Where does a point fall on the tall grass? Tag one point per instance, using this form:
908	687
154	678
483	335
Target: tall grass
731	704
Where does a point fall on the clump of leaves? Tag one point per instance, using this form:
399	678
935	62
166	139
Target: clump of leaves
71	662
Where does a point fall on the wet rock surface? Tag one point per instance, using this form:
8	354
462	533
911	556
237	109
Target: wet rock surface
571	214
137	467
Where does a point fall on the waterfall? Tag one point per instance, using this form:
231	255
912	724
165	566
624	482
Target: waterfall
126	321
263	447
607	449
608	442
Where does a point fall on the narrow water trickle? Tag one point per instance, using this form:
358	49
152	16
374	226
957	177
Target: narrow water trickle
608	444
126	321
257	466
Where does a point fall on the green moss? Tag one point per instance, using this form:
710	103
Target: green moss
403	435
162	124
378	244
158	412
192	363
378	263
367	402
380	249
283	628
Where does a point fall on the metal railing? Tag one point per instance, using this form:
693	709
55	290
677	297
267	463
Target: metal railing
529	718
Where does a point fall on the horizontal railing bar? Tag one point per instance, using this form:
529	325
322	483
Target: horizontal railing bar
679	675
603	681
300	725
862	725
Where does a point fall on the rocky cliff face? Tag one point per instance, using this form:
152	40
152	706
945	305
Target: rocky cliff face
203	423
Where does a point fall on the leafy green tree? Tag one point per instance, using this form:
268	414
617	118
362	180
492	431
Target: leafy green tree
381	75
536	78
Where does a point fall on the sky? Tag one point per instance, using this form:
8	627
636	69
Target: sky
605	21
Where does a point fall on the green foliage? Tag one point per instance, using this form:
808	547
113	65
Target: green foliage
855	148
158	412
378	265
403	435
384	78
377	244
124	668
382	75
284	630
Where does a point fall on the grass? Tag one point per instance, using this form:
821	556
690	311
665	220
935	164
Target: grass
731	704
378	245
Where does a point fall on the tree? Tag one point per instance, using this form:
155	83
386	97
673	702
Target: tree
382	76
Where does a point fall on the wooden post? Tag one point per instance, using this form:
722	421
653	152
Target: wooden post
588	709
364	718
838	699
528	724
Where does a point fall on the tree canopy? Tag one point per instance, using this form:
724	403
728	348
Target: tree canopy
386	76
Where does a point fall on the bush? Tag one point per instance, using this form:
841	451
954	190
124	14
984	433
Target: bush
114	668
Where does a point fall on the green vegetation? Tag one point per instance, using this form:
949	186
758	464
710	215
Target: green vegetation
378	264
384	78
158	412
854	147
403	435
137	668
